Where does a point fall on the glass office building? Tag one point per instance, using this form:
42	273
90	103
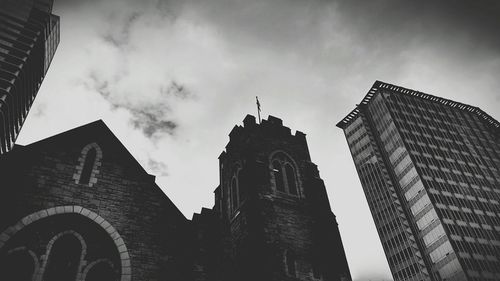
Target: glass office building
430	170
29	35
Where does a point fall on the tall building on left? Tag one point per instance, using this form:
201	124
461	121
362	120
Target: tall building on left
29	35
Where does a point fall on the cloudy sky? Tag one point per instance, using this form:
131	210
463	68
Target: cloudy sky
171	78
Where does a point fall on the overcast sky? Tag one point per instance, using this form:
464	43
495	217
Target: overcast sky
171	79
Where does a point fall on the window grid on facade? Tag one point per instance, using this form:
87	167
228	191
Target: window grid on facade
28	40
444	160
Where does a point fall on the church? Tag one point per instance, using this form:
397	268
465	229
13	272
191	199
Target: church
78	206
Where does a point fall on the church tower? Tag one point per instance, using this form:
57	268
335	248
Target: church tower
275	213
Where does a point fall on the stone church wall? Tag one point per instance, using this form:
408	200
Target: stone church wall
42	178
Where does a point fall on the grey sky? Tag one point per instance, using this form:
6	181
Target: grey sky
171	78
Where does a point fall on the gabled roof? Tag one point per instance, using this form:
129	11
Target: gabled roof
96	130
490	121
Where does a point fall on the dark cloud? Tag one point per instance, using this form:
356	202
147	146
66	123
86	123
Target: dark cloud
440	21
152	120
151	116
289	22
279	24
357	31
73	4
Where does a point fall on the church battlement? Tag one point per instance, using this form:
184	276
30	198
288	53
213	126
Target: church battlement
272	128
272	125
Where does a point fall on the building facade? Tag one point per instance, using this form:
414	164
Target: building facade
78	206
430	170
273	207
29	35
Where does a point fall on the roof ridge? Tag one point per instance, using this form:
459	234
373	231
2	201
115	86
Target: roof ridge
402	90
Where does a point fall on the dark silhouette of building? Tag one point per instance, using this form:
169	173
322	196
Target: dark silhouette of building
29	35
78	206
430	169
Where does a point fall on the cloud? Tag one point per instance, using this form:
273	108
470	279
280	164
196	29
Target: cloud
439	20
121	65
151	120
171	78
159	168
151	116
119	34
177	90
40	110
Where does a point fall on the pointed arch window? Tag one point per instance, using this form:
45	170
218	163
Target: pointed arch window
238	188
290	179
234	194
242	191
278	176
284	173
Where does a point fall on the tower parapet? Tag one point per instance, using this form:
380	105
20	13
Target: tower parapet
274	208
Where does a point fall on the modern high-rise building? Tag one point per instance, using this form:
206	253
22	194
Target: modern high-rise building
29	35
430	170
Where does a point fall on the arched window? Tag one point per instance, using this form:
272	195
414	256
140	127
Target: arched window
290	179
285	175
237	187
278	176
88	165
102	270
242	187
234	194
19	265
290	263
64	259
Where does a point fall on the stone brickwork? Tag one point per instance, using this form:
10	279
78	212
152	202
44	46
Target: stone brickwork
38	181
95	168
113	233
271	219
